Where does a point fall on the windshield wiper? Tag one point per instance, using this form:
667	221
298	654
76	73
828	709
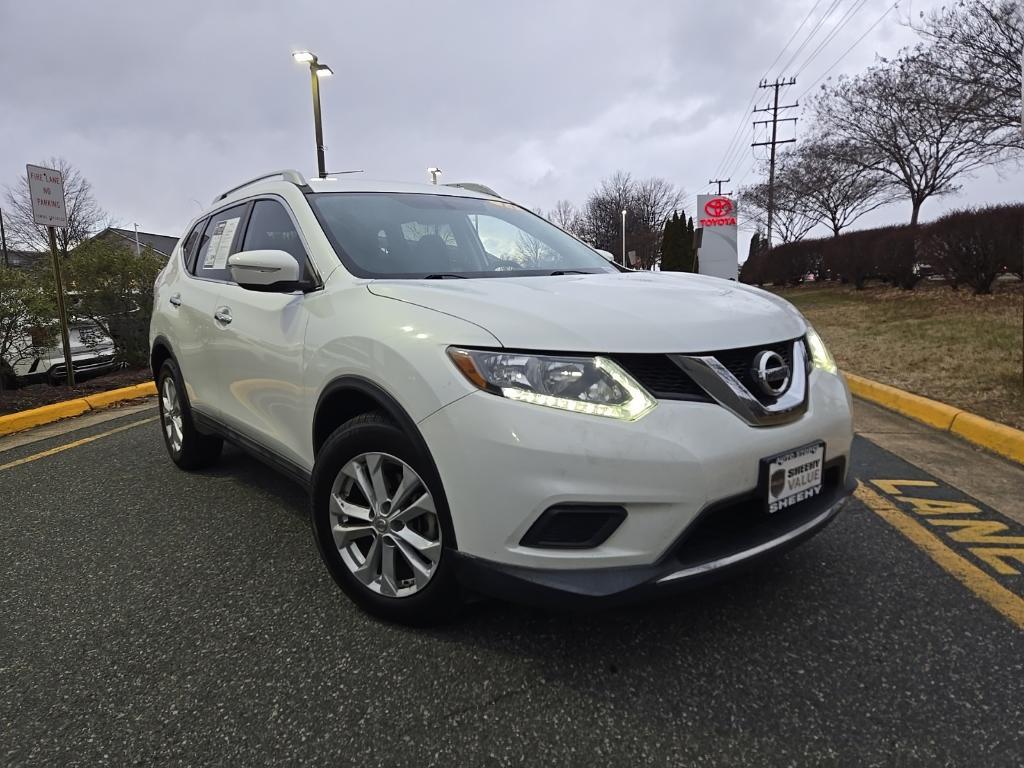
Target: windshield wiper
568	272
444	276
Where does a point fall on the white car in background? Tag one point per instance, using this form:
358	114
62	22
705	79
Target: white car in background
92	354
479	402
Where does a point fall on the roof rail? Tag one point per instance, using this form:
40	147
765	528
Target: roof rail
472	186
287	174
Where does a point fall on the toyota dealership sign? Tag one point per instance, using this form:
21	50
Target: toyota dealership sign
718	254
719	212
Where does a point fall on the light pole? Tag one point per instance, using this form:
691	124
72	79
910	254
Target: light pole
316	71
624	237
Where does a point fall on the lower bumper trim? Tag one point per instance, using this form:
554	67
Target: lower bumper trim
609	586
724	562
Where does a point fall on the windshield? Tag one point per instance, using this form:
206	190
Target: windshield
398	235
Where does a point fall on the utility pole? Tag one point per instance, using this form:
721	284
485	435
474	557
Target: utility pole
720	182
138	250
774	109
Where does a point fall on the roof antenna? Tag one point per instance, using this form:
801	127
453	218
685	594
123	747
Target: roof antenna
332	174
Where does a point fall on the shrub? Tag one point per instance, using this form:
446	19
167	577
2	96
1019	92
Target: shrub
973	247
894	255
850	257
114	288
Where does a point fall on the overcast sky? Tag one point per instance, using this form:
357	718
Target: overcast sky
164	105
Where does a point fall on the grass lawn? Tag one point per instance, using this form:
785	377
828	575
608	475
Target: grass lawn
948	345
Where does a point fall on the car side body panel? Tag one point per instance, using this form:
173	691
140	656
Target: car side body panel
398	346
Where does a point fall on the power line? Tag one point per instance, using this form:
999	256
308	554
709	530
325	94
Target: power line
791	39
847	51
810	35
846	19
730	149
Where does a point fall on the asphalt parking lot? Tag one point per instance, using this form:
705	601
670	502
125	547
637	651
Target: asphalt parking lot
154	617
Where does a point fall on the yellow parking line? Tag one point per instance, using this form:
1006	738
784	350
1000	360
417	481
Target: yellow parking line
980	583
75	444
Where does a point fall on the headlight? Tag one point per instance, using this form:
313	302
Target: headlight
820	355
593	385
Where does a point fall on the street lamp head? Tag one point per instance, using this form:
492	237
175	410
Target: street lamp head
623	211
303	57
322	70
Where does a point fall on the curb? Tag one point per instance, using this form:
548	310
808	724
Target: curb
996	437
22	420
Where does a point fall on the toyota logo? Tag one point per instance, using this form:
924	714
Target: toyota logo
770	372
717	207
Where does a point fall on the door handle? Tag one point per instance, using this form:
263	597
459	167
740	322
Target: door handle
176	300
222	315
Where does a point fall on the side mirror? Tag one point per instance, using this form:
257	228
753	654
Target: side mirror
267	270
607	254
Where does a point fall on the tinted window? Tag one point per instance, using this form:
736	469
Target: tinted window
270	228
189	248
416	235
220	240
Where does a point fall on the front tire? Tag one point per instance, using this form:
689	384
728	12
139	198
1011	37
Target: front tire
188	447
382	525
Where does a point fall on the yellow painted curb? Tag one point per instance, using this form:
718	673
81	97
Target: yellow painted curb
16	422
996	437
22	420
1004	440
930	412
103	399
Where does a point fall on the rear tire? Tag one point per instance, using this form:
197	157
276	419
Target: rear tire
382	524
187	446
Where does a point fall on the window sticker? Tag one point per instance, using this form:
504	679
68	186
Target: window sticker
211	249
227	236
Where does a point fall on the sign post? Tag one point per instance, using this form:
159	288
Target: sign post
718	255
46	187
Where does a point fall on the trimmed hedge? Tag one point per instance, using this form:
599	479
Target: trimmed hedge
970	247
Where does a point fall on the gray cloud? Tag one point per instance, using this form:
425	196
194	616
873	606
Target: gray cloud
164	104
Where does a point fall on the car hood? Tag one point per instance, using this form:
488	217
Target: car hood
622	312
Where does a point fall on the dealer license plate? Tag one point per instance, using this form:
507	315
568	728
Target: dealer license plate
792	477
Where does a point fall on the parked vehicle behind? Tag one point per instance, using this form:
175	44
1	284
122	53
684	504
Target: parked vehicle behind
477	401
39	354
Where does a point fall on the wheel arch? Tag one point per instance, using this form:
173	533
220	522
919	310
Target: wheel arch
346	397
160	353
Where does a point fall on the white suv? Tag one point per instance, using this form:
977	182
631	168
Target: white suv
479	402
92	354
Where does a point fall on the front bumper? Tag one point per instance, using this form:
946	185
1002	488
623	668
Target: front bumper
688	563
504	463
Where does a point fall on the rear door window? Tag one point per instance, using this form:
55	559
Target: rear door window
190	246
221	238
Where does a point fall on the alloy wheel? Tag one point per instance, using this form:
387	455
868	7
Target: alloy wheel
170	414
385	524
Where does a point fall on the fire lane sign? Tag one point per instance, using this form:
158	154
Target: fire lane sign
46	186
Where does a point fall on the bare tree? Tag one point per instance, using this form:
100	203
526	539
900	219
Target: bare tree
567	216
793	218
85	216
654	202
648	204
901	119
976	46
835	190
